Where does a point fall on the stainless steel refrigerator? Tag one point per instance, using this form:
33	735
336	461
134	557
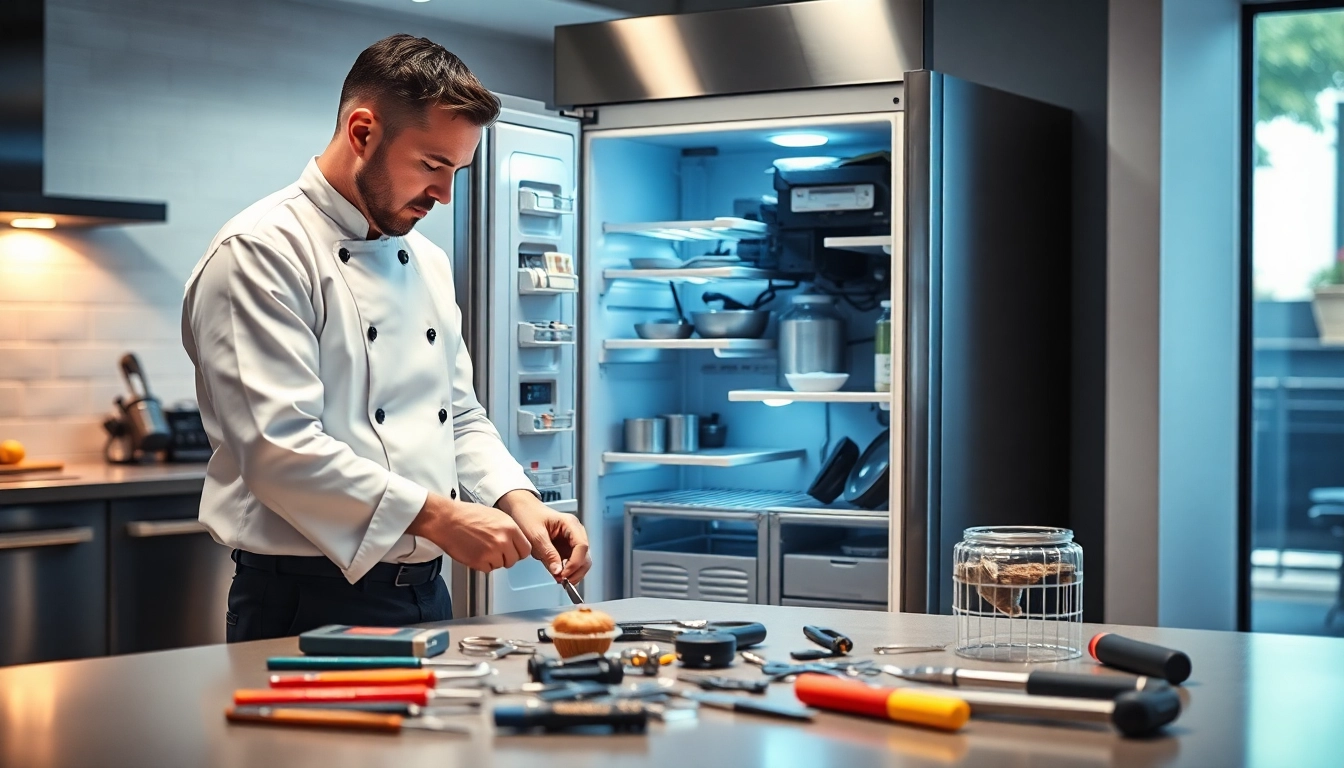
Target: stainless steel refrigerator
681	133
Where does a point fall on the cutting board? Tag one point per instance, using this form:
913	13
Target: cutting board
31	466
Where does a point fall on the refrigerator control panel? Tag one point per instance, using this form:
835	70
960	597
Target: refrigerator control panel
536	393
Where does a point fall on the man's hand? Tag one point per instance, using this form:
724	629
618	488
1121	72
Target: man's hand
479	537
555	537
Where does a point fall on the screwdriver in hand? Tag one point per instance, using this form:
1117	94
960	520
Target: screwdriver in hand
430	677
363	721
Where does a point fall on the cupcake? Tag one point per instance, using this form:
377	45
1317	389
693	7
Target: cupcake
582	630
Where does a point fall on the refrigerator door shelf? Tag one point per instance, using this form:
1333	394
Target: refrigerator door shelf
721	228
535	424
532	281
693	275
533	335
539	203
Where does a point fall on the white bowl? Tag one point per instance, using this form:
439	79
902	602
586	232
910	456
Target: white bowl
816	382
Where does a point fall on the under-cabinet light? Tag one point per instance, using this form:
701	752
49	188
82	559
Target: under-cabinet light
799	140
33	222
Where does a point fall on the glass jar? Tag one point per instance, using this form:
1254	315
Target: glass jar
882	346
1018	594
811	337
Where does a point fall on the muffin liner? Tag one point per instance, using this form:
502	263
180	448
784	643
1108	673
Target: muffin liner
569	644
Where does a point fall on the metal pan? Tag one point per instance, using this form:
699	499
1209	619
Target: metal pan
867	483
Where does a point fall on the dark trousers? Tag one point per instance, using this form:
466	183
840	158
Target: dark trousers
283	596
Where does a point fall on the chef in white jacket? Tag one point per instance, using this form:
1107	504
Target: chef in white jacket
334	383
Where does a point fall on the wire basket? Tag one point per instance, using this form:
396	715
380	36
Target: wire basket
1018	594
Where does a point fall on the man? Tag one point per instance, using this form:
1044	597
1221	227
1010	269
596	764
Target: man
334	383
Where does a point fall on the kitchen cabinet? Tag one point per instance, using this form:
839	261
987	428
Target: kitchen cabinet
169	580
53	581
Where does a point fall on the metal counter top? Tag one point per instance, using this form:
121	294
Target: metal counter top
1253	699
79	482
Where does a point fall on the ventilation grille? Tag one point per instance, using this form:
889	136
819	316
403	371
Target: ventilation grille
725	585
663	580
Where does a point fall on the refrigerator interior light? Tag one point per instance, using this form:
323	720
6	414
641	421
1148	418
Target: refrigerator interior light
799	140
811	163
773	403
33	222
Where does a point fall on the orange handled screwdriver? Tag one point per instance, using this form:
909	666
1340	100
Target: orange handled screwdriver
367	677
903	705
325	718
411	694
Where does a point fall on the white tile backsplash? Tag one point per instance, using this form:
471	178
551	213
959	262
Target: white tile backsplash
209	107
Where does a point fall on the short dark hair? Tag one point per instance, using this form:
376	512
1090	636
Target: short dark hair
404	75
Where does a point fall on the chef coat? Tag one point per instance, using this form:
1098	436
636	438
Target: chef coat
334	384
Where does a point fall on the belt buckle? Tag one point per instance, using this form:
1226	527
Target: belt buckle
397	582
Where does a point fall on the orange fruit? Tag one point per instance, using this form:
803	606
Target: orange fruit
11	452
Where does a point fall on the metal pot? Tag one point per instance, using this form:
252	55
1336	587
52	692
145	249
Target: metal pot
664	329
731	323
646	436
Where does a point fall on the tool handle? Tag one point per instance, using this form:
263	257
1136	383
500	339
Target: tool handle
828	638
318	663
748	633
319	718
381	707
1140	658
1140	713
355	677
411	694
1080	686
903	705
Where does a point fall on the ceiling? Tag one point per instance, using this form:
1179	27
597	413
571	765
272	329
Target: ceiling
529	18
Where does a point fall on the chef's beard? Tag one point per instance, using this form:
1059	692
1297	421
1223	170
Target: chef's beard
375	188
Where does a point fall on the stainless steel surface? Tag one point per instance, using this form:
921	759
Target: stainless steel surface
169	578
104	481
144	529
1043	707
54	538
53	583
772	48
980	166
646	435
683	432
573	593
834	577
79	713
22	108
811	340
667	329
731	323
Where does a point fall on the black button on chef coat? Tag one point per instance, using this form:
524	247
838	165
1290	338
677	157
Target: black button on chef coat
379	415
431	334
344	253
403	257
373	333
443	415
452	494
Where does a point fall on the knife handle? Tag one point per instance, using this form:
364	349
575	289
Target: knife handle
412	694
1081	686
837	643
323	663
356	677
319	718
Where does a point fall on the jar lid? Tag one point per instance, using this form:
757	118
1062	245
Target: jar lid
813	298
1017	535
886	304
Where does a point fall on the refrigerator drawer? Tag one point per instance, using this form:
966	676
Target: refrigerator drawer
714	568
802	603
835	577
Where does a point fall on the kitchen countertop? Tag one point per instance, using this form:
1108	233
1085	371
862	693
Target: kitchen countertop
1253	699
79	482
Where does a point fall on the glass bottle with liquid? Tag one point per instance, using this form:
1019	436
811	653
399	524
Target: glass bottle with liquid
882	343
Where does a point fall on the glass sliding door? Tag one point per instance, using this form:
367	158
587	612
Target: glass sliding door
1294	515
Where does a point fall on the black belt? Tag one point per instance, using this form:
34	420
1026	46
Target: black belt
407	575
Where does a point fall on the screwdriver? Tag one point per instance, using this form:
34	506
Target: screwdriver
899	704
1137	713
1038	683
411	694
319	718
324	663
428	677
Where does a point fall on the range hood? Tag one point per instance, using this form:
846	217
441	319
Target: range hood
23	203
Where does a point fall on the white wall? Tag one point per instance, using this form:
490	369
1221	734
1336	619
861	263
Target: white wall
1199	402
207	106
